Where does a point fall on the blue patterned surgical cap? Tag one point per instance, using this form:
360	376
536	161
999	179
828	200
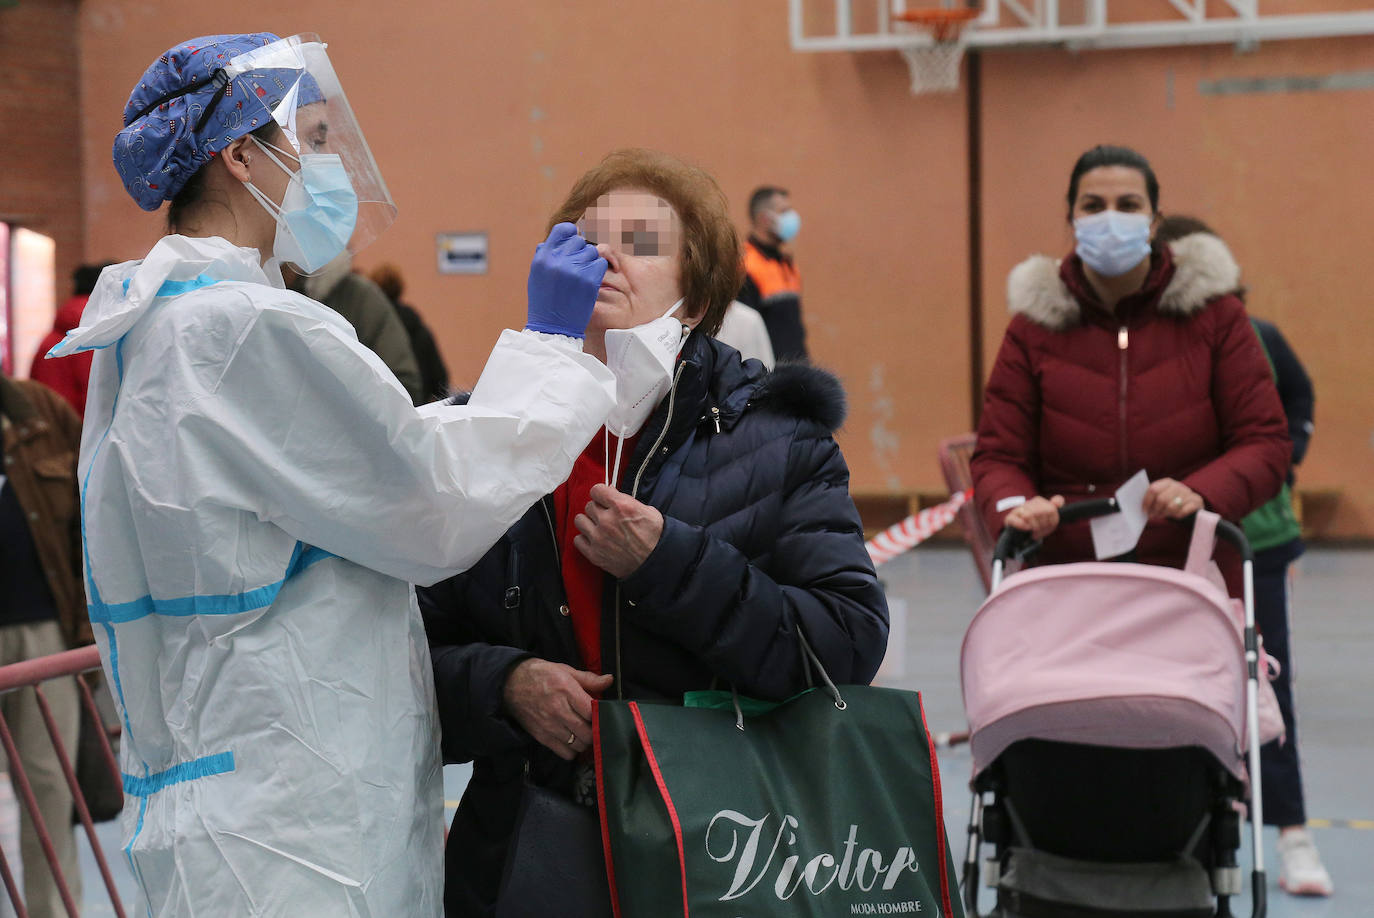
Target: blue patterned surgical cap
184	110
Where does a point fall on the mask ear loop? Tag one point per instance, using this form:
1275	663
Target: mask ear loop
686	329
269	146
272	207
612	477
274	210
613	469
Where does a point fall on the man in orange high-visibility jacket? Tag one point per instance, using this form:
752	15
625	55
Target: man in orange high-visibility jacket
772	284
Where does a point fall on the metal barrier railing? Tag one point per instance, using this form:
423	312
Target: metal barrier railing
29	674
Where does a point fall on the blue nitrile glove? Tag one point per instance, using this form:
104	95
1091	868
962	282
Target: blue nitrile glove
564	278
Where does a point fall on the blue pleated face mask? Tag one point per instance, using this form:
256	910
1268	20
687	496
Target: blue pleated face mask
787	224
317	213
1111	242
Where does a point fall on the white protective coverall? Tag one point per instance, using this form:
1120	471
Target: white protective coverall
258	494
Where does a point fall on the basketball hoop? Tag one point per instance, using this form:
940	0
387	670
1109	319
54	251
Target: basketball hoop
935	66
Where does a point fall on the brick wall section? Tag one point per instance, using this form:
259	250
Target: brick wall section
40	126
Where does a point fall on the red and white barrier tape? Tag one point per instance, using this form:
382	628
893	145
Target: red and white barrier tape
914	530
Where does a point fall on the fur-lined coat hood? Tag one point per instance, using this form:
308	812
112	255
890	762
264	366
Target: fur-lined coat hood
1203	269
797	390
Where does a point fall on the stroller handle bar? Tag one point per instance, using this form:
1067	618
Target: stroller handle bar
1016	544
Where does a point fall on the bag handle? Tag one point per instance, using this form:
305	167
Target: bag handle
809	661
1204	542
809	657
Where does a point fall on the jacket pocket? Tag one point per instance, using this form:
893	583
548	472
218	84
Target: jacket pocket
59	467
54	478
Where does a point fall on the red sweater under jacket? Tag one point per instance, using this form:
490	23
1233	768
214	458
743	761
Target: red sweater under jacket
583	580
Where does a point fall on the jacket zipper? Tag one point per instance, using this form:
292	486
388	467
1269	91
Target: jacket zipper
553	532
634	492
1123	341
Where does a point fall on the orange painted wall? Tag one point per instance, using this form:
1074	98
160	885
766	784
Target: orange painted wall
482	114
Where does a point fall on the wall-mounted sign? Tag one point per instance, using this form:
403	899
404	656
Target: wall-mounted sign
462	253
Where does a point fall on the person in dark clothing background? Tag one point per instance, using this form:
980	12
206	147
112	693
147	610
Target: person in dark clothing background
730	535
772	284
1295	389
368	310
1276	538
433	373
42	612
68	376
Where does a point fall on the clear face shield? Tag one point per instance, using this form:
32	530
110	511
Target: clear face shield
292	83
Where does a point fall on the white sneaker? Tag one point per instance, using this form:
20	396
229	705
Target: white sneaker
1303	873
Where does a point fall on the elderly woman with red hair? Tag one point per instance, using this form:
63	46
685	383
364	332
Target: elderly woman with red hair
705	529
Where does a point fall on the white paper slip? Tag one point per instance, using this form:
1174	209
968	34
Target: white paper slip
1118	533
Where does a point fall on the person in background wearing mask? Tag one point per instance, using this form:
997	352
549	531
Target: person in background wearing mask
1127	355
772	284
258	494
1276	538
433	373
359	300
698	535
42	612
70	376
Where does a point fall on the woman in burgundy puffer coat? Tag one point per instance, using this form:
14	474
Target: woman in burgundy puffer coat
1126	356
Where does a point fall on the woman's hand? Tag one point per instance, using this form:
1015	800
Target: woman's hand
616	532
1172	499
1037	516
553	703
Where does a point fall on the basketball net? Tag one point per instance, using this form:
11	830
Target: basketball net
934	65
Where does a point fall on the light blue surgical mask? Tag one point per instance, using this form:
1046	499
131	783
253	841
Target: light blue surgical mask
1111	242
787	224
317	213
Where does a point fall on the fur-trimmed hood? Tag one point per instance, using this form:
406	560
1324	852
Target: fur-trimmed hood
719	385
804	391
1203	270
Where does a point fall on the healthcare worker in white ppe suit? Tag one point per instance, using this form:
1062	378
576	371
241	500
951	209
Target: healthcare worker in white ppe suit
258	494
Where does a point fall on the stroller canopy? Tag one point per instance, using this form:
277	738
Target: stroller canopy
1108	654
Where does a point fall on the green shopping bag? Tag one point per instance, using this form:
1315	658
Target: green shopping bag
825	805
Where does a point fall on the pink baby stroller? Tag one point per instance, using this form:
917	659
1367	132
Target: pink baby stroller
1111	707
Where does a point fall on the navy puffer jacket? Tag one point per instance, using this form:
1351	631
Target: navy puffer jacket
760	540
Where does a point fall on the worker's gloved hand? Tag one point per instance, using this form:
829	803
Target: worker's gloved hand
564	278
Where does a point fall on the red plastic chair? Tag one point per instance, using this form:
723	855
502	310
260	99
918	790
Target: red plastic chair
955	455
